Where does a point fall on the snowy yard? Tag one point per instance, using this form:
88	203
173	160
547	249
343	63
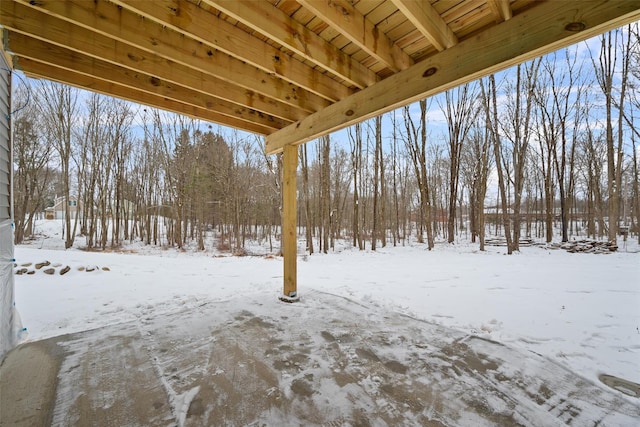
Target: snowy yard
581	311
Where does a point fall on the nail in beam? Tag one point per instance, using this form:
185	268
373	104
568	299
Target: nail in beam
289	212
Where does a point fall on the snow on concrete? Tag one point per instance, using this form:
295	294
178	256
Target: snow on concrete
580	310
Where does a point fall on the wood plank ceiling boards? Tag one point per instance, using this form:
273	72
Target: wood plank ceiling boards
289	70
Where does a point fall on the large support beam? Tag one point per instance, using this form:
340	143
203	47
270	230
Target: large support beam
289	211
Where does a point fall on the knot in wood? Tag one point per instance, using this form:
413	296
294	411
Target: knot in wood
429	72
575	26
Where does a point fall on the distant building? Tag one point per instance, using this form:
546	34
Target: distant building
57	210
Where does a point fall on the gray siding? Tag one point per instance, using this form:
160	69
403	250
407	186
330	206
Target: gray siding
5	153
8	316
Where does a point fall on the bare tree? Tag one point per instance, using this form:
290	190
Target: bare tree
490	105
31	156
559	98
153	176
383	187
634	68
376	181
304	157
120	119
394	189
593	158
614	59
325	192
355	139
459	109
636	185
518	130
476	163
91	162
339	191
59	108
547	131
416	144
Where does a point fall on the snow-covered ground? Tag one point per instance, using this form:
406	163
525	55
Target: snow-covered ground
581	310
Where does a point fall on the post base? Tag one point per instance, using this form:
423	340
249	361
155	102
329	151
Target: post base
293	297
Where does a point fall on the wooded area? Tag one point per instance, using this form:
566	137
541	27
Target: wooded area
549	142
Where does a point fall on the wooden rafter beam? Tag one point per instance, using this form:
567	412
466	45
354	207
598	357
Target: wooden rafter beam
501	9
281	28
27	47
206	28
525	36
19	18
341	15
127	27
429	22
42	70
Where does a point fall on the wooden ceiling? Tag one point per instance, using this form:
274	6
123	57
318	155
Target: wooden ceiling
291	70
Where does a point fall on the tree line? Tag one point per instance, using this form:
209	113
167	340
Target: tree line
544	150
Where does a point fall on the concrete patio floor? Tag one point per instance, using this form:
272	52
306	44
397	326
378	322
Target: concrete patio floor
325	361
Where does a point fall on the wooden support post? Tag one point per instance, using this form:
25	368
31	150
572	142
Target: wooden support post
289	222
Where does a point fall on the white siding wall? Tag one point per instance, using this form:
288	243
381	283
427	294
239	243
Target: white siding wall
8	315
5	163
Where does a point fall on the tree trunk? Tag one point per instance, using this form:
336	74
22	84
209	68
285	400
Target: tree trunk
491	111
307	199
458	110
325	198
376	182
356	162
